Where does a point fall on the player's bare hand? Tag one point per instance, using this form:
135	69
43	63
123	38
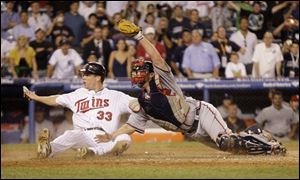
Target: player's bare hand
28	94
102	138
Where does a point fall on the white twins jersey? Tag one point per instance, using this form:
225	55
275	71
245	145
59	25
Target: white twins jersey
91	109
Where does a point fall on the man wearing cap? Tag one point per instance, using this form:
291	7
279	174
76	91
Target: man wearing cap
65	62
224	108
150	35
96	110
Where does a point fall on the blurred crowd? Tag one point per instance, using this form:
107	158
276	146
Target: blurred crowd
198	39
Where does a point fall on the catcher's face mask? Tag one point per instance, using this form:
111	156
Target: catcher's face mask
140	71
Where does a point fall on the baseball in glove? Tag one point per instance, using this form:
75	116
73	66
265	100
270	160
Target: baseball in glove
130	29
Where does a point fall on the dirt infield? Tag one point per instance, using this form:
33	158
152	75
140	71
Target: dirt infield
150	160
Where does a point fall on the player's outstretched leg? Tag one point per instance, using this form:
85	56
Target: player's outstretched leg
43	146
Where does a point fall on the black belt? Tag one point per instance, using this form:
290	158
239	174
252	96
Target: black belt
94	128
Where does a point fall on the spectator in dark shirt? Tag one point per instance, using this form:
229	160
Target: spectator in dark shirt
257	21
194	23
74	21
291	61
176	61
101	48
177	24
101	15
233	122
43	49
289	29
59	31
224	47
88	29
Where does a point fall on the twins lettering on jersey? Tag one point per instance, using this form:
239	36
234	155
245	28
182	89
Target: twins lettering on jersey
84	105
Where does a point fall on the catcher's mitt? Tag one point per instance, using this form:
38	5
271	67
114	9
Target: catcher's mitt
128	28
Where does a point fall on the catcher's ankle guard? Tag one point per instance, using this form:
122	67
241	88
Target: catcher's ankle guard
231	143
139	36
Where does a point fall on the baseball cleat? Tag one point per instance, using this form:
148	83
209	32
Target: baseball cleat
44	148
84	152
119	148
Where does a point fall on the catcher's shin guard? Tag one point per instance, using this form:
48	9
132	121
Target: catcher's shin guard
230	143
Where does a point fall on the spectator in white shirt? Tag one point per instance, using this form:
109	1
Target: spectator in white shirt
234	68
64	63
86	8
247	40
267	58
38	19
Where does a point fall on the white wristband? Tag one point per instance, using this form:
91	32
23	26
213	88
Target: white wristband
139	36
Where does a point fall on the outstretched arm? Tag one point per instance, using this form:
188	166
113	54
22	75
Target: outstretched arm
131	30
125	129
48	100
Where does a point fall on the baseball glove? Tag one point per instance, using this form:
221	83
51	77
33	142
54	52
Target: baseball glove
128	28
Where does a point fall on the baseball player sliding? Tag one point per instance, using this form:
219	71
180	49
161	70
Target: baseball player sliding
163	102
96	110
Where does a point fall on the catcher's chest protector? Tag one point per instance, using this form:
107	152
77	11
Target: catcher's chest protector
160	105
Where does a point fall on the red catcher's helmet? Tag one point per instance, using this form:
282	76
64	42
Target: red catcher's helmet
140	69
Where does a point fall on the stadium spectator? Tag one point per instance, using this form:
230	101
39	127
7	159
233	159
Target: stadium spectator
177	58
6	47
115	33
243	9
235	69
203	7
22	59
59	31
119	61
291	61
281	121
220	16
233	121
40	123
114	7
278	11
267	58
195	23
200	59
131	13
37	18
289	29
150	34
226	102
65	62
257	20
9	19
294	104
74	21
149	21
177	24
101	15
87	29
247	40
23	28
43	50
164	37
151	9
224	48
106	35
101	48
86	8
